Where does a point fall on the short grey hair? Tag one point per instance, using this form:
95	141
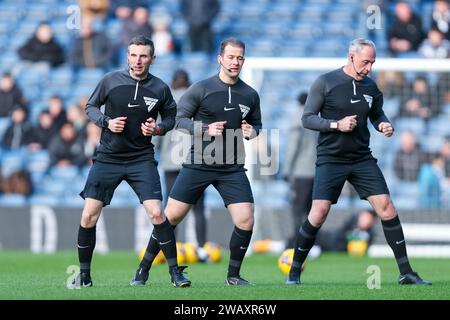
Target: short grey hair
358	44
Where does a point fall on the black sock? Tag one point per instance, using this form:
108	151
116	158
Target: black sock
165	236
240	239
305	240
394	236
86	245
150	253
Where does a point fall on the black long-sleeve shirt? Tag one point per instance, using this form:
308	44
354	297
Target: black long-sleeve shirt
336	95
211	100
124	96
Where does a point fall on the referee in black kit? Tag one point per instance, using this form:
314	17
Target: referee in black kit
132	98
218	113
346	98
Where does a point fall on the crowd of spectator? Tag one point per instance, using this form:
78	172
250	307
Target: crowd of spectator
65	133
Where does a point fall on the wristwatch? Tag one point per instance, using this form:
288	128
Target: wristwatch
333	124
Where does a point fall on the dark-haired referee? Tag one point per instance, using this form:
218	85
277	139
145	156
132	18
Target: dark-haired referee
218	112
346	98
132	99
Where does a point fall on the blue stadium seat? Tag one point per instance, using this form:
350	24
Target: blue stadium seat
414	124
45	200
72	201
13	200
66	174
13	160
4	124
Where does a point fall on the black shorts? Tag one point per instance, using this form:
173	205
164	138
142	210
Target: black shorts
104	178
190	184
365	176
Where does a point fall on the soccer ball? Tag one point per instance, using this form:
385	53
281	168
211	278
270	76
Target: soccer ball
285	260
357	247
214	251
190	251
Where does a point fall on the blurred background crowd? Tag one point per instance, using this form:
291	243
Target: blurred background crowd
50	62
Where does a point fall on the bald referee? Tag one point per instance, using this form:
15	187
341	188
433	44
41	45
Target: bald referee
346	99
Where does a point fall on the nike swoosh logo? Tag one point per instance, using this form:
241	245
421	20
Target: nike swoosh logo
243	248
133	105
228	109
354	101
398	242
302	249
163	243
82	247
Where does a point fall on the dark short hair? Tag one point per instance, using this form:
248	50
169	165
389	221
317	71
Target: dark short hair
141	40
232	41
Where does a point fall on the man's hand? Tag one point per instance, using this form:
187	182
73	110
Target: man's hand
247	130
347	124
149	128
117	125
386	128
216	128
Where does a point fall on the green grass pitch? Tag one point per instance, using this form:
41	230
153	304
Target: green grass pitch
332	276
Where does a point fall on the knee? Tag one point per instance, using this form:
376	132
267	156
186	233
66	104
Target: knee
246	223
89	218
387	210
318	215
156	215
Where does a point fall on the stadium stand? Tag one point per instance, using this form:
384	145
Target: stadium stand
270	28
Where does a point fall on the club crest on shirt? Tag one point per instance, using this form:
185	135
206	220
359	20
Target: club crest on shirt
244	110
150	103
368	99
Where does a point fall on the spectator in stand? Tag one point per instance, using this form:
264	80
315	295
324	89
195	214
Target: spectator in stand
43	133
440	17
406	33
421	102
94	9
123	9
91	142
77	116
91	49
430	177
435	46
19	133
66	148
11	96
137	24
18	182
162	37
42	47
408	158
199	15
57	111
391	83
445	152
